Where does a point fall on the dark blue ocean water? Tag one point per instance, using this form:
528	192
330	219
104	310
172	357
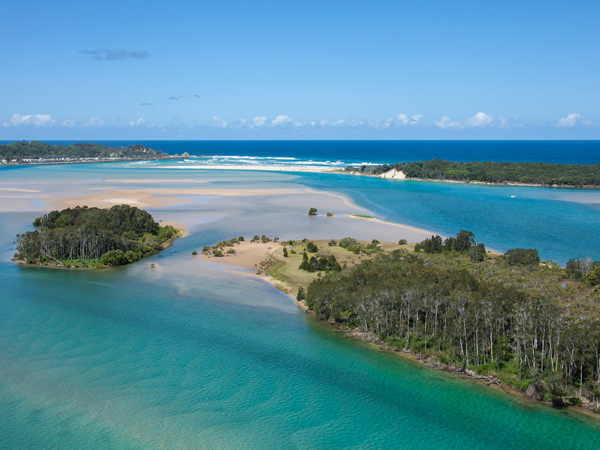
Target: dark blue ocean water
571	152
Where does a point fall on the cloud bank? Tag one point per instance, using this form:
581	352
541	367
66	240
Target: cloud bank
410	123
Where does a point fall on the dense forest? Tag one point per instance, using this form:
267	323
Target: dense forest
573	175
93	237
34	150
535	326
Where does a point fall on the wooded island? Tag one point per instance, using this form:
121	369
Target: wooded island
93	237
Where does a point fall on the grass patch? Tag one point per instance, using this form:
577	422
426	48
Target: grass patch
287	269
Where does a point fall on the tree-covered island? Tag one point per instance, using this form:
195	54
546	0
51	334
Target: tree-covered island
561	175
93	237
35	152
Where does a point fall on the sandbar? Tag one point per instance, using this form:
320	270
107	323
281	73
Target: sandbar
384	222
145	198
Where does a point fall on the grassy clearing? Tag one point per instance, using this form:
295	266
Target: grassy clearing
286	270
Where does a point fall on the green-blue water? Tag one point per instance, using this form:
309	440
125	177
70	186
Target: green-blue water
191	356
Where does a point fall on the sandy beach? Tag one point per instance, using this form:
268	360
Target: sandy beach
248	255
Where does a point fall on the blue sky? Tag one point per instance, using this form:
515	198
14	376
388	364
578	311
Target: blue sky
300	70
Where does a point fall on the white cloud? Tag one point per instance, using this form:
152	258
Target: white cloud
447	122
404	120
386	123
281	120
69	123
509	123
36	120
259	121
137	123
479	120
571	120
217	121
93	122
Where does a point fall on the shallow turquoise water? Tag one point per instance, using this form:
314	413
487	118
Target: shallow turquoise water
191	356
561	223
132	358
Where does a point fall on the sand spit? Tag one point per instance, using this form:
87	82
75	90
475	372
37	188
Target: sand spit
392	224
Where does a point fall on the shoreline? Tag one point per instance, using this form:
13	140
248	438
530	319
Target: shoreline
391	174
399	175
182	232
262	256
85	161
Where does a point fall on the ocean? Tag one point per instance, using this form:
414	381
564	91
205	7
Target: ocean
189	355
379	152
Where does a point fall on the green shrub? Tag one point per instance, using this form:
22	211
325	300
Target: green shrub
114	258
311	247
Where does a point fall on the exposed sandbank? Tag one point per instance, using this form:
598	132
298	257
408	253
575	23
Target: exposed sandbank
147	198
392	224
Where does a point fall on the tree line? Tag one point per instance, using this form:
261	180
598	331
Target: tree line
533	325
575	175
92	236
38	150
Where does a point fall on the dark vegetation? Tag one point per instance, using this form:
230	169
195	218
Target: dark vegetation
319	263
534	326
464	242
25	151
572	175
83	236
354	246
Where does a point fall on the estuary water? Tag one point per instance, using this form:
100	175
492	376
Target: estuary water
189	355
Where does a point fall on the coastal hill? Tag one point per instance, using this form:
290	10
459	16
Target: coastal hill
36	152
544	174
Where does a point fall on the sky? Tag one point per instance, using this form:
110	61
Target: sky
305	69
